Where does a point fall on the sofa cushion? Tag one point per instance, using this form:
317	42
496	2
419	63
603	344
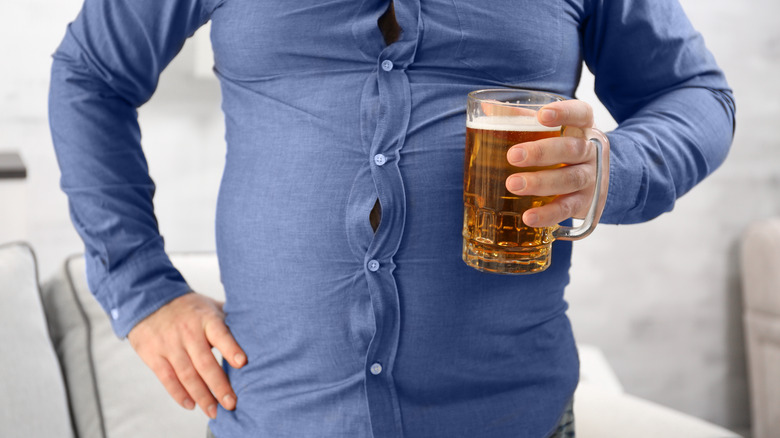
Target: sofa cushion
113	393
604	413
33	402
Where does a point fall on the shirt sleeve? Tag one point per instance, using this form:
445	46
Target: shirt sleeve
107	66
674	109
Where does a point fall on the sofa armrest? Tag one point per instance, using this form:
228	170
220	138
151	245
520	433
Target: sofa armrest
112	393
761	297
32	393
596	370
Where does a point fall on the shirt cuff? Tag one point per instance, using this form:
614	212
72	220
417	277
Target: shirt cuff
627	177
135	288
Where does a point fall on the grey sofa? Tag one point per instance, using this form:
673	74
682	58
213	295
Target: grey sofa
761	296
63	373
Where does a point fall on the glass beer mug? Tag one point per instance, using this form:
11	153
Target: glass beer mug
495	238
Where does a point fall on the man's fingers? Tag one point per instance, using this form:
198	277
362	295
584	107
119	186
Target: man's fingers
212	373
167	376
566	113
176	342
218	334
191	380
569	179
551	151
560	209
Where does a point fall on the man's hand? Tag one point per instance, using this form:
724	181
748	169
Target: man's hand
176	341
574	183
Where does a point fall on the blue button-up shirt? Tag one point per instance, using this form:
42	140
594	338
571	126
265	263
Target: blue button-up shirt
351	332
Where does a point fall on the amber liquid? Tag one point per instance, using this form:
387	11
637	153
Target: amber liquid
495	238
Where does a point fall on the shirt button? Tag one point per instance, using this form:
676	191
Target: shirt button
375	369
373	265
387	65
380	159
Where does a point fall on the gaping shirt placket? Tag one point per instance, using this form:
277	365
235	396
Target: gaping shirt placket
392	119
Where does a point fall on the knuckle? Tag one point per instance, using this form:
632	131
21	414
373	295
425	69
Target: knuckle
183	330
566	208
577	203
219	335
535	152
577	148
221	388
216	327
189	375
577	178
564	110
165	374
583	110
203	361
532	183
567	112
168	379
204	398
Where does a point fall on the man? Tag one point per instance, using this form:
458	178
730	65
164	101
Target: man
332	327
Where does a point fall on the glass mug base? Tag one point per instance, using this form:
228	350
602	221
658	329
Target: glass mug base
500	260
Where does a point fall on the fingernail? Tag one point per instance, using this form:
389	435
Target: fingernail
212	410
547	115
189	404
515	183
517	155
240	359
228	401
530	219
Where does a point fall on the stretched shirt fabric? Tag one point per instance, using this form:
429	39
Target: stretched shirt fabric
352	333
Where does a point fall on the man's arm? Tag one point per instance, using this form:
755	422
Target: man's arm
106	67
674	107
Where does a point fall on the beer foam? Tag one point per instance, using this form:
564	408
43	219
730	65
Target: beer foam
509	123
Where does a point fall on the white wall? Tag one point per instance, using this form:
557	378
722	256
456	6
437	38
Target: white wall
662	299
182	128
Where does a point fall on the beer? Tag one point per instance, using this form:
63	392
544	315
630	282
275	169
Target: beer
495	239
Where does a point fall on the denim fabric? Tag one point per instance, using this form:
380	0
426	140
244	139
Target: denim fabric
351	332
564	429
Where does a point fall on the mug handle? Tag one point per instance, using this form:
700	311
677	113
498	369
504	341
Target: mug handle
598	139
